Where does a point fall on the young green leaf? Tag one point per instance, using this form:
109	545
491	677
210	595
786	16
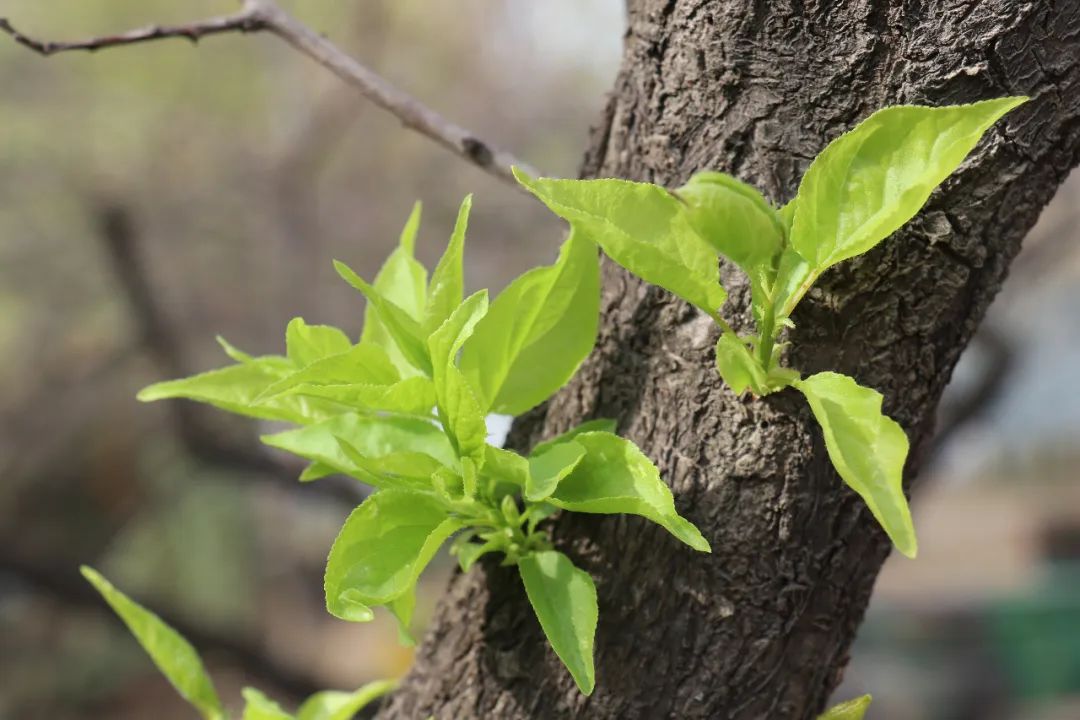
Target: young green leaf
735	219
382	549
873	179
459	409
614	476
236	388
402	327
236	354
549	468
642	227
564	599
306	344
403	282
411	396
363	363
372	437
337	705
447	281
606	425
469	552
537	332
172	654
867	448
850	710
738	366
259	707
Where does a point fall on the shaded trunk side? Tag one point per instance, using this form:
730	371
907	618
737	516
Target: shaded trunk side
762	627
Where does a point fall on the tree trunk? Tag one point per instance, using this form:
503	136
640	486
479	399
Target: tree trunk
762	627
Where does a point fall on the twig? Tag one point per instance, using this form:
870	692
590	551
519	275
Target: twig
267	16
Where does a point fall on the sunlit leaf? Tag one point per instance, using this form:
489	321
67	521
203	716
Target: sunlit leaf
172	654
564	599
614	476
447	288
642	227
537	331
873	179
337	705
867	448
459	409
850	710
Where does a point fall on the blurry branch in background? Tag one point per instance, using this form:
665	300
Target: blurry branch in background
267	16
121	245
1000	357
64	584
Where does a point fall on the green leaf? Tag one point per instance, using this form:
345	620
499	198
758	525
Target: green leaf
237	388
564	599
606	425
616	477
403	282
306	344
172	654
411	396
735	219
337	705
236	353
867	448
259	707
363	363
399	324
537	332
873	179
739	368
850	710
382	549
469	552
642	227
459	409
447	282
550	467
375	438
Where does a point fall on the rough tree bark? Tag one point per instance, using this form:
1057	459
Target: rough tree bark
762	627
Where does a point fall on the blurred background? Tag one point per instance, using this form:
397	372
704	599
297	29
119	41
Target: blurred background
155	196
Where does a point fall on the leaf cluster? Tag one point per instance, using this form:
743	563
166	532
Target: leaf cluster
403	410
861	188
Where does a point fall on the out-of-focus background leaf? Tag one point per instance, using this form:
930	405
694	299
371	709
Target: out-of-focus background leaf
221	181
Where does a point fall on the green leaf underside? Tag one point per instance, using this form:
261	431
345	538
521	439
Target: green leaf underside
258	706
564	599
402	280
867	448
306	344
537	331
171	653
598	425
375	439
549	468
360	364
738	367
873	179
236	389
459	409
403	328
850	710
447	286
614	476
338	705
381	550
643	228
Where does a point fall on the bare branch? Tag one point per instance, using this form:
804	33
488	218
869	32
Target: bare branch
266	15
243	22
